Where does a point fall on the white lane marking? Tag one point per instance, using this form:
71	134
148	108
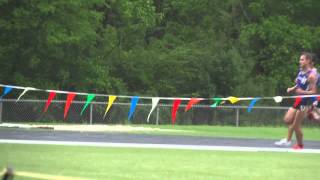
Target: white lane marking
159	146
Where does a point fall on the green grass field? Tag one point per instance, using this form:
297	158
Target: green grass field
125	163
131	163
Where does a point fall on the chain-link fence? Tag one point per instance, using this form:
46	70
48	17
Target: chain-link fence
32	111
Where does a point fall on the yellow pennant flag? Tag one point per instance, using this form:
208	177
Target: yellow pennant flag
233	99
111	100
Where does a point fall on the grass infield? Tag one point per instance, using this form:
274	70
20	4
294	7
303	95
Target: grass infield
126	163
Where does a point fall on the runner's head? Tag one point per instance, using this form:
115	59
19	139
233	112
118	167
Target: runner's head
306	60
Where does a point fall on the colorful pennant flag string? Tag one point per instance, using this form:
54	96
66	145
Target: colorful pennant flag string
134	102
110	102
24	92
217	102
6	91
90	97
70	98
50	98
233	99
278	99
175	107
252	103
155	102
192	102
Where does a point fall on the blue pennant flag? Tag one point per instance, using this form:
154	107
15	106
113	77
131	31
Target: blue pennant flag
252	103
5	91
134	102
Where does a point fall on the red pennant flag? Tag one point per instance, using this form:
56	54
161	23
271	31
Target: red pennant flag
50	98
70	98
175	107
192	102
318	98
297	101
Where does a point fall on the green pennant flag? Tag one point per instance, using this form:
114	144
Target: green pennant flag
90	97
217	102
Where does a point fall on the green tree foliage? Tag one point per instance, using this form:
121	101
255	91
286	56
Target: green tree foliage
279	32
49	43
200	48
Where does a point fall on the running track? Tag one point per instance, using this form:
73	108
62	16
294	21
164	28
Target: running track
108	139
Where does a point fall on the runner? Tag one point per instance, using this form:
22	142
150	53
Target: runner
314	112
305	85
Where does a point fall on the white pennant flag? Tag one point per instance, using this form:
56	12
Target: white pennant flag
278	99
24	91
155	102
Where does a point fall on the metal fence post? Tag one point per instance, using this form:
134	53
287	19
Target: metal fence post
157	120
91	113
237	117
0	111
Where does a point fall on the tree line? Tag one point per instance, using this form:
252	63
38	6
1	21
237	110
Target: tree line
192	48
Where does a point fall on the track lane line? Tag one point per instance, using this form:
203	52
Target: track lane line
159	146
